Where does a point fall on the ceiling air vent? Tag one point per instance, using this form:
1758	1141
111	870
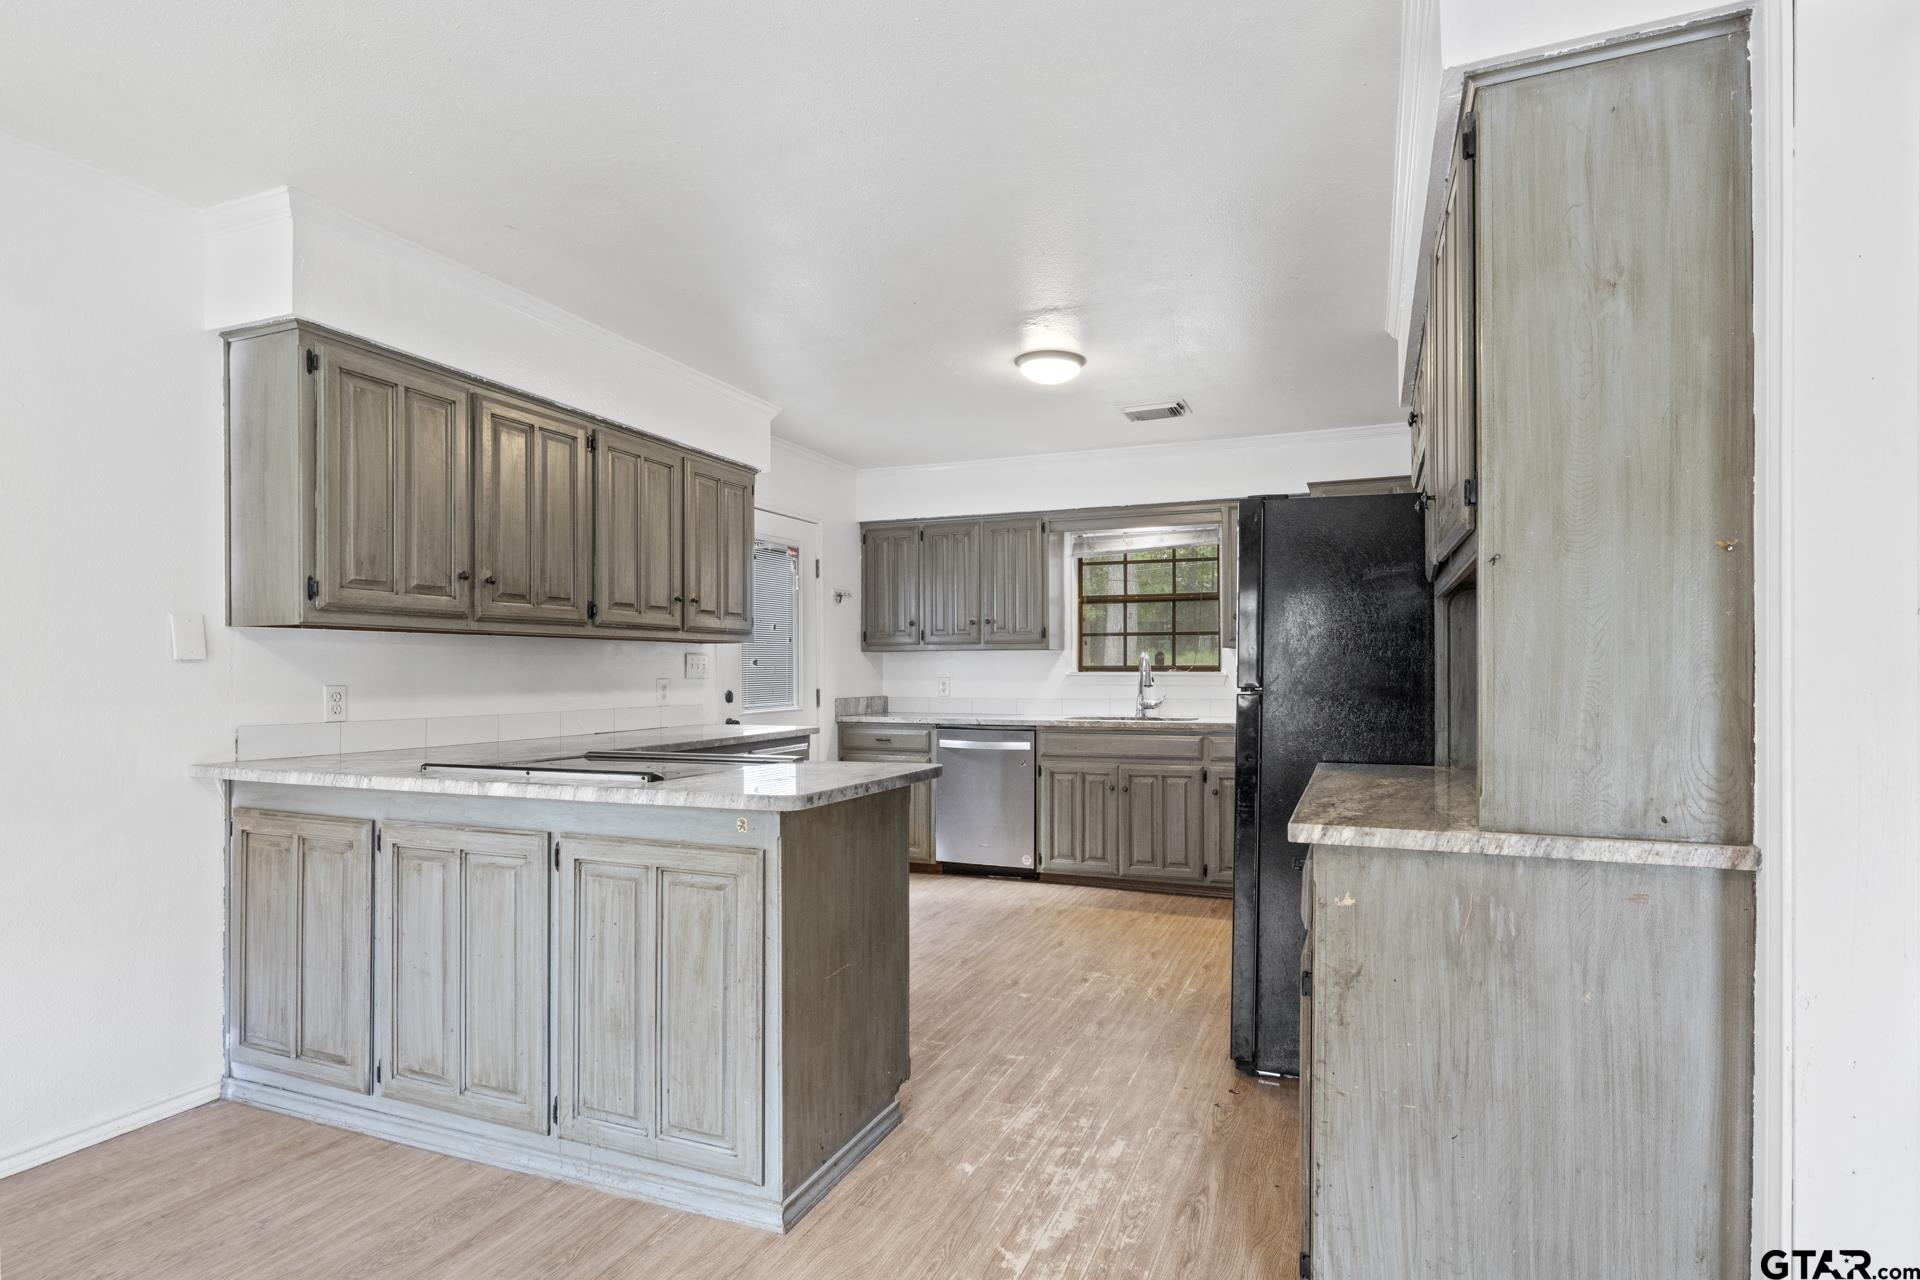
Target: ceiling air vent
1155	412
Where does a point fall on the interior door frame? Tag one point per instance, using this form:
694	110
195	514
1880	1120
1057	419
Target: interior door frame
794	531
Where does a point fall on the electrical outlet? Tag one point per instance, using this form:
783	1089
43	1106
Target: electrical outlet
697	666
335	704
945	686
662	684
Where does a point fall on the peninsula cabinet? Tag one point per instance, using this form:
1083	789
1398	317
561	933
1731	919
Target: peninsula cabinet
660	1001
300	917
462	971
369	490
954	584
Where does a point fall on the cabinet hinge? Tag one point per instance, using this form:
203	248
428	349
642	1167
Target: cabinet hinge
1043	526
1470	491
1203	775
376	1073
1306	982
378	835
816	697
923	535
313	587
313	360
1306	1266
593	610
1470	140
1043	633
556	855
556	1111
593	441
863	636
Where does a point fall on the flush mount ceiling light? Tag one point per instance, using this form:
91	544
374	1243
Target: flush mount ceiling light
1050	368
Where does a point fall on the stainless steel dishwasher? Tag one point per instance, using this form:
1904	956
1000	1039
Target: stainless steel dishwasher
983	801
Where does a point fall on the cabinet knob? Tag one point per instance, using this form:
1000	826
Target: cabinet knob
1111	787
463	575
989	621
693	599
975	621
491	581
1124	790
1216	791
679	599
912	623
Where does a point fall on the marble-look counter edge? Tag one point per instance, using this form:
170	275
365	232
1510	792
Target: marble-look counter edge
1392	807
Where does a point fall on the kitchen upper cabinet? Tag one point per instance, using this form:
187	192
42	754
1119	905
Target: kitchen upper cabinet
955	584
534	516
463	971
1454	444
719	548
392	522
890	586
367	489
637	533
660	1001
950	584
299	946
1013	583
1162	815
1078	805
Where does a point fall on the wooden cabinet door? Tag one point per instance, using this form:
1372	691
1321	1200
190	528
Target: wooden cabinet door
1013	584
533	521
391	528
950	584
719	547
1077	808
463	971
1216	827
1455	443
890	587
920	822
1162	813
636	533
660	1001
299	946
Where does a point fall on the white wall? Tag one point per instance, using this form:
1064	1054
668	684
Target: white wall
1147	473
286	252
110	518
1851	530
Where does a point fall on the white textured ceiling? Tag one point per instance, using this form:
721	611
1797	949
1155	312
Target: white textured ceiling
860	210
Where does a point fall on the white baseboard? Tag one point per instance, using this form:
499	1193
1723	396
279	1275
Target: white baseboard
12	1162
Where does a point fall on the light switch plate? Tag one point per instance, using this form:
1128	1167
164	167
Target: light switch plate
697	666
189	635
662	684
336	702
945	686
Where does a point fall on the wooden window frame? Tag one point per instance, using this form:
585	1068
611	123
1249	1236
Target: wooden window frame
1169	598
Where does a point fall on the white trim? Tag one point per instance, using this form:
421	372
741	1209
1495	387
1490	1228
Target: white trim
824	459
126	1122
259	209
1771	61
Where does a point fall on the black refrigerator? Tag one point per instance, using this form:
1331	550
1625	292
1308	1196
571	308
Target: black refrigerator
1335	664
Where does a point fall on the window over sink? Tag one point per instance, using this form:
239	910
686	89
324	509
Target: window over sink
1148	592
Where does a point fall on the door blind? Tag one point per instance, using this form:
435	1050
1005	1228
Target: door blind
769	661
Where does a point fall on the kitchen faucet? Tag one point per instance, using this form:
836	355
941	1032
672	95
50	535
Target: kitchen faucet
1148	699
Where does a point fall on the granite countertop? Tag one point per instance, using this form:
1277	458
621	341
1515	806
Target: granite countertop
779	786
1390	806
1015	721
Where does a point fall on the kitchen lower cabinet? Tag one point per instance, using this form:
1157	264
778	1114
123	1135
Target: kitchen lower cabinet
1216	822
299	946
463	971
660	1001
1161	822
1078	804
919	803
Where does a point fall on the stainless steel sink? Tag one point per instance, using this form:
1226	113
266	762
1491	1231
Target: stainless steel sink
1140	719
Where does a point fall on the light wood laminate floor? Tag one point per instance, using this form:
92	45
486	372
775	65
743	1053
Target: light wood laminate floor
1072	1112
